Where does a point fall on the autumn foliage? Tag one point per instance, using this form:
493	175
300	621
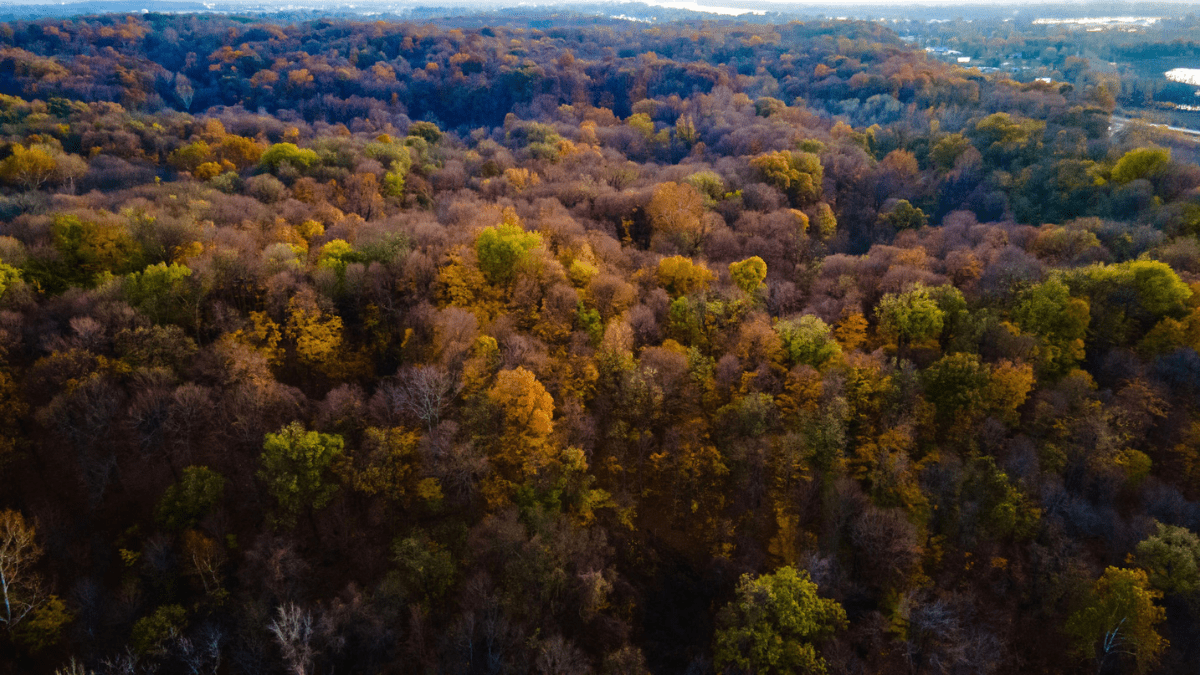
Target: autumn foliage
587	346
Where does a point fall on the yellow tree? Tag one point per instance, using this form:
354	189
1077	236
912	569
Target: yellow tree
12	408
691	479
21	591
28	167
386	464
526	409
676	211
799	174
39	164
317	338
679	275
851	331
824	221
1008	387
460	284
748	274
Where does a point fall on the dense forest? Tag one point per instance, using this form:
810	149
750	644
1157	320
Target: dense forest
587	346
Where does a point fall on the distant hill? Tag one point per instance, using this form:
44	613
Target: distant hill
667	10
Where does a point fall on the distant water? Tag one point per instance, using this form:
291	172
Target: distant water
1102	21
1185	75
694	6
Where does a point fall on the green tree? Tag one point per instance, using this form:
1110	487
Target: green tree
336	256
183	504
910	317
1128	298
589	321
824	221
957	333
162	292
905	216
9	277
1059	321
641	123
1003	510
426	130
390	154
748	274
797	174
771	627
152	633
947	151
685	129
709	184
189	157
1003	138
301	158
424	569
43	627
1141	163
1160	291
1171	558
394	181
956	385
87	252
1118	620
501	249
808	340
296	467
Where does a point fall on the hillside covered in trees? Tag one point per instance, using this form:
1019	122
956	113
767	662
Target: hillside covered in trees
586	346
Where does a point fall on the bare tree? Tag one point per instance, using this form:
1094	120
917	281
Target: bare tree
887	544
73	667
945	636
423	393
293	631
191	413
184	90
84	418
125	664
628	660
201	654
557	656
148	415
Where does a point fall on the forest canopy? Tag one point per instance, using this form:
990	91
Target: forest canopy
587	346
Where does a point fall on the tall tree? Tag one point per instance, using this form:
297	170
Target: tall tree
296	467
773	625
910	318
21	589
1119	620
